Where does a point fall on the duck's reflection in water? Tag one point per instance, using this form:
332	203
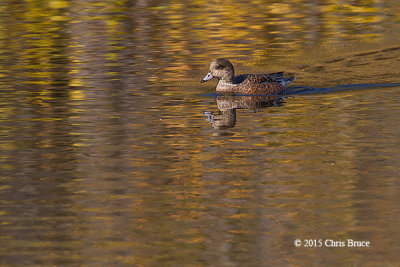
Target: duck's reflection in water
227	105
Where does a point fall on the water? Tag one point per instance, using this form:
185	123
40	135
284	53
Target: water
113	153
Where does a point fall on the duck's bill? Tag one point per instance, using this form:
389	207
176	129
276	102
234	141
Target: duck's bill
208	77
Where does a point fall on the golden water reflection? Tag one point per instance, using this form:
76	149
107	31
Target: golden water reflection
107	159
152	42
156	186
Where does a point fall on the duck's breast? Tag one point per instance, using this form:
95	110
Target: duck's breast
224	87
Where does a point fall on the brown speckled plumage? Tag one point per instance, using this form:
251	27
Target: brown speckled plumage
253	84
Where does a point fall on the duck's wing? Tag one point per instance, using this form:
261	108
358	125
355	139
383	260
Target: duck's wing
260	78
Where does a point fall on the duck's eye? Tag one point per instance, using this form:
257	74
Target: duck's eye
219	67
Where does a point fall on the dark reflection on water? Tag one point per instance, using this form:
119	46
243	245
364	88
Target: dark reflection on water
304	90
227	106
107	158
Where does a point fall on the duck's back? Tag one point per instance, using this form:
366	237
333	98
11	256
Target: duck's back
255	84
259	78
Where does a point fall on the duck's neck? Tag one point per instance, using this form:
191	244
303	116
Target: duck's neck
228	78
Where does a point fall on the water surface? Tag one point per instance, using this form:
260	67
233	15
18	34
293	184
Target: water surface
113	153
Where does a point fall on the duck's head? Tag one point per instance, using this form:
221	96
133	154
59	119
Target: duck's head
221	69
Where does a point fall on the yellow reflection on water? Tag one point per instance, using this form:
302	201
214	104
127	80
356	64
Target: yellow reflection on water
108	158
58	42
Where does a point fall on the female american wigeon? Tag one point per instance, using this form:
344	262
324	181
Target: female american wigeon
252	84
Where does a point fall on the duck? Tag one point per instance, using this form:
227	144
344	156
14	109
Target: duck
245	84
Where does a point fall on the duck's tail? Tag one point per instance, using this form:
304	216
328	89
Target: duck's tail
287	81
